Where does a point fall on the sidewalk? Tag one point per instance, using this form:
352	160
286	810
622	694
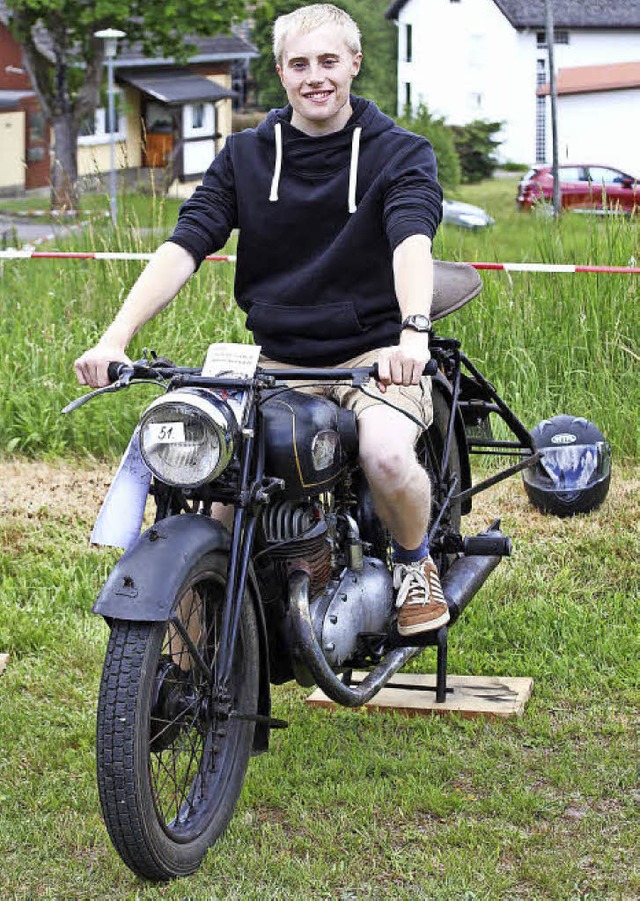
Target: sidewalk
21	232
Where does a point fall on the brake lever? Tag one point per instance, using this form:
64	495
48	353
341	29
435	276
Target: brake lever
81	401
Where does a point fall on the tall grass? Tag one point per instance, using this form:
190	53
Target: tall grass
551	343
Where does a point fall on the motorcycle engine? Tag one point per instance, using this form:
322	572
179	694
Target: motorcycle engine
297	537
351	595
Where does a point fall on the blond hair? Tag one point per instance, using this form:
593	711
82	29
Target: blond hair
308	18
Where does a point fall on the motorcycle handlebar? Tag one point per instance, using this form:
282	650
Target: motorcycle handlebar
119	370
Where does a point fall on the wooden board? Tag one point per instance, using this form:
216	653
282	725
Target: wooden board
3	662
413	694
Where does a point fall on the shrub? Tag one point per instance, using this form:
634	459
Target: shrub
440	135
476	147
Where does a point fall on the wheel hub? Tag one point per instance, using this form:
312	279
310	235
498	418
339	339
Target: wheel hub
175	703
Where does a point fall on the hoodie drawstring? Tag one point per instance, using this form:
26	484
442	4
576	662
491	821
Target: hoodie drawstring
353	168
275	181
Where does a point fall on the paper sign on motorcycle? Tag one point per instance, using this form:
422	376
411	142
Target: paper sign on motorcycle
233	361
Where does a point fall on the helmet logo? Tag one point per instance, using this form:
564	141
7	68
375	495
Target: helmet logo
564	438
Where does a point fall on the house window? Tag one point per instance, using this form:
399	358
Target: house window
198	120
197	116
407	95
158	118
541	115
560	36
408	43
97	129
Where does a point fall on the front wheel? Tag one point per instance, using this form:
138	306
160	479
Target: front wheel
170	766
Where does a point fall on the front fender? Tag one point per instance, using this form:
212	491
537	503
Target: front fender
143	585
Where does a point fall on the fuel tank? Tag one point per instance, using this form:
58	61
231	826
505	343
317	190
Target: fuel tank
308	442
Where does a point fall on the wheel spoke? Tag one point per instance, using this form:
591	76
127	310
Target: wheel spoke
178	771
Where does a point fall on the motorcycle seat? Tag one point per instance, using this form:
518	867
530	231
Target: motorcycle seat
454	285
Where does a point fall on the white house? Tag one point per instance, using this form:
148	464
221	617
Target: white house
487	59
598	114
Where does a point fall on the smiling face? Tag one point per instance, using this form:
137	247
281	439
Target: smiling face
316	72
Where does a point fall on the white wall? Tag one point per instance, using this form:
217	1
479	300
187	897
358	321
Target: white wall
601	128
470	63
12	149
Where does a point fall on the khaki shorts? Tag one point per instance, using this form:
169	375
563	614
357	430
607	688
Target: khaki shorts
414	399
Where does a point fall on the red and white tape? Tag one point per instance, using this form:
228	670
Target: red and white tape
91	255
229	258
555	267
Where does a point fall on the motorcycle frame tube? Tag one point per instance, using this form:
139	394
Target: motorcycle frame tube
505	412
455	394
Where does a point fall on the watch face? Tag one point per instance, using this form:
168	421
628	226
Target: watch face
418	322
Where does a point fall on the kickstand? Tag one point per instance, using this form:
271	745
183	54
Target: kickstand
441	677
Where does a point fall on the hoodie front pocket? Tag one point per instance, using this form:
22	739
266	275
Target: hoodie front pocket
333	320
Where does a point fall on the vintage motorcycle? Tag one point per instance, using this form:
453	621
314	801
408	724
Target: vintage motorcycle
203	619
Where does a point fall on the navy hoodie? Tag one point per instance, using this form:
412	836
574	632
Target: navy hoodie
319	219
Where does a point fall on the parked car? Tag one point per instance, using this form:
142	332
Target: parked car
582	187
464	215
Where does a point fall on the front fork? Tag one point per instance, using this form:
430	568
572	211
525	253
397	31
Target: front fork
255	492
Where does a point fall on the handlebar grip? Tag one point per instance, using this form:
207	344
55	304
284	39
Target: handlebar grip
429	370
115	370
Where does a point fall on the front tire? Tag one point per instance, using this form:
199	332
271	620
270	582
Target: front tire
170	768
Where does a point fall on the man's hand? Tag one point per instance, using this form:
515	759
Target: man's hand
404	363
91	367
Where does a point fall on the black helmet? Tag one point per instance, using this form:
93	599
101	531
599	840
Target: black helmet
574	472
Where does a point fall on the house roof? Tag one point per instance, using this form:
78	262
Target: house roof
566	13
173	85
587	79
217	48
11	99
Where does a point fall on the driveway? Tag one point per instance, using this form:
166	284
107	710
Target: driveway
20	231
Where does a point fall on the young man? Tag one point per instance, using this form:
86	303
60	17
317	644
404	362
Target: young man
337	208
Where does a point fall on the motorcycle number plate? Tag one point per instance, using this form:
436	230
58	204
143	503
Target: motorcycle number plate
166	432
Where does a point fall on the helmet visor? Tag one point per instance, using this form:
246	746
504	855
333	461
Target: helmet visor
572	467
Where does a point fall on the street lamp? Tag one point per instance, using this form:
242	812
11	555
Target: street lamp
111	36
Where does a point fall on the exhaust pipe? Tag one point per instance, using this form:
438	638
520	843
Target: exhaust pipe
307	651
462	581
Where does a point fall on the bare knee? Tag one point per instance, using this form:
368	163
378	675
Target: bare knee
386	465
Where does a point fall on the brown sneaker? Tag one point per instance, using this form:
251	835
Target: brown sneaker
420	598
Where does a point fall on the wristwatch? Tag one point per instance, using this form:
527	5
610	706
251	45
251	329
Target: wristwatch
418	323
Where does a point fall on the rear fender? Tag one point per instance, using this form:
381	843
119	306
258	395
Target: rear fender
144	583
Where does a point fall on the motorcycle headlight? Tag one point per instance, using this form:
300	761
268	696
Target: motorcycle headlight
186	437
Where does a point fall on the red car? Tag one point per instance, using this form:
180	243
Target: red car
595	188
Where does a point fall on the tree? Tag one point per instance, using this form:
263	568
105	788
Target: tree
377	78
476	148
65	61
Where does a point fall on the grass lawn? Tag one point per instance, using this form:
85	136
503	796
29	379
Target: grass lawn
345	805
